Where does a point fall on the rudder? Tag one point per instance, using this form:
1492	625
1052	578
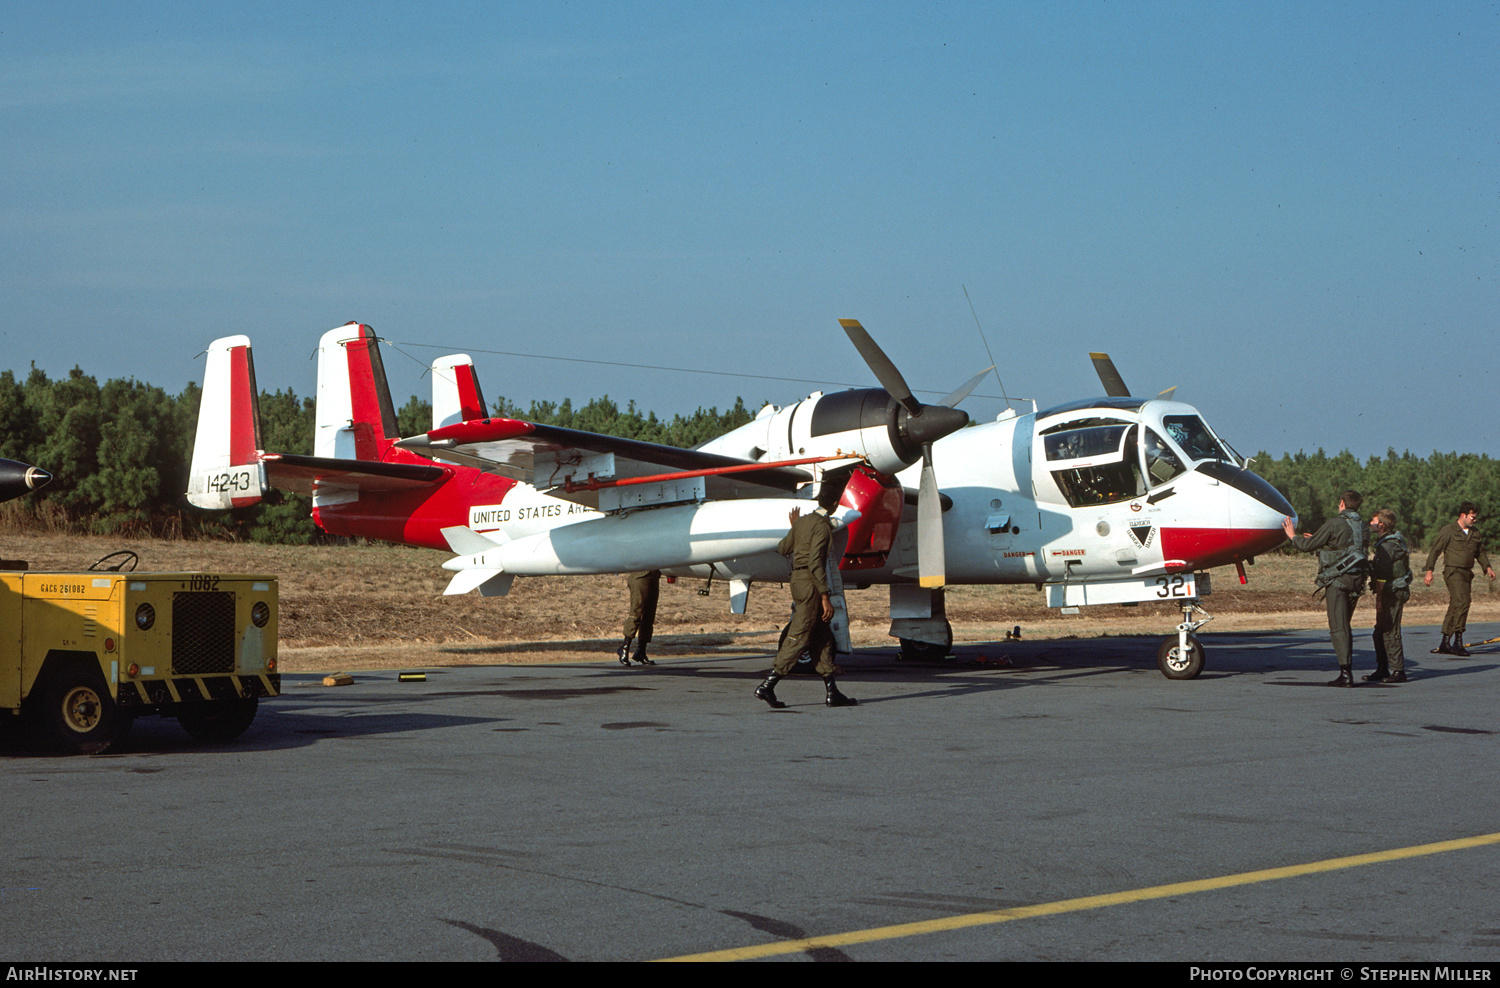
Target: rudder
355	417
455	391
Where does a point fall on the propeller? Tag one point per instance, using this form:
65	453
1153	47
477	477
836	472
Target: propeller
924	425
962	391
1114	384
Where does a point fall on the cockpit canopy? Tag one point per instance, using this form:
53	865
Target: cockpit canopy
1121	448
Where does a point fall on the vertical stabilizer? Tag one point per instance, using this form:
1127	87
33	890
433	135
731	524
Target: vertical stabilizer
356	420
455	391
226	471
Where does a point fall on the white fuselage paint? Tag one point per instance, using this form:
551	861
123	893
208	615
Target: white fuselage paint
997	470
994	473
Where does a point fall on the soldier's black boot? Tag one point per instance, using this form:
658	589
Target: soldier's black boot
625	651
1458	645
767	691
1346	678
640	655
835	698
1443	648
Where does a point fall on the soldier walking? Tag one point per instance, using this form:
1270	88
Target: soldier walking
645	590
1460	545
807	544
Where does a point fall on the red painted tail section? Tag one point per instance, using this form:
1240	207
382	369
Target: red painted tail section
244	420
471	400
357	420
371	409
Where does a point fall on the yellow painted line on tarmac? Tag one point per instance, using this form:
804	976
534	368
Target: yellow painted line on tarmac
1086	902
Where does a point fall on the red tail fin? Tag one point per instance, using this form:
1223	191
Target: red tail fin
356	419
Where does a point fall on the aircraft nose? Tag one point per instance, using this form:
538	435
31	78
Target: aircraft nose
1272	498
1251	484
1256	510
1249	513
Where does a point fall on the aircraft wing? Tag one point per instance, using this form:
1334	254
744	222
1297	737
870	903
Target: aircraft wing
293	472
562	461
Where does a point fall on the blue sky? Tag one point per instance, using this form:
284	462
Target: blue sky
1289	211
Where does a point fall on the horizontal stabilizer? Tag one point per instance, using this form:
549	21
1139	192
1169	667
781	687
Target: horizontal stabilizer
294	472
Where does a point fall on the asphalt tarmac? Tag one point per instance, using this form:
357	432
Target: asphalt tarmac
1031	801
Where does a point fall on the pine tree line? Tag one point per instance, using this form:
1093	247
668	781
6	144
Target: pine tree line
1423	492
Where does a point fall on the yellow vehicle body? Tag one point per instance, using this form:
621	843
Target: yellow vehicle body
83	654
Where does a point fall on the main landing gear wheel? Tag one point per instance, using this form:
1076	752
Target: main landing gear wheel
916	651
1174	663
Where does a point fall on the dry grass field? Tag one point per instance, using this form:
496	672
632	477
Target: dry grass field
349	606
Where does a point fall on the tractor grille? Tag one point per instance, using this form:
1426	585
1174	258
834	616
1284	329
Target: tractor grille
202	632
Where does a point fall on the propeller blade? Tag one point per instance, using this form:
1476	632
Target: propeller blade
1167	394
963	391
931	566
885	371
1114	384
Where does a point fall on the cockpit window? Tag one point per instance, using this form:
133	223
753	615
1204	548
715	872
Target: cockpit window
1191	435
1109	468
1161	463
1087	443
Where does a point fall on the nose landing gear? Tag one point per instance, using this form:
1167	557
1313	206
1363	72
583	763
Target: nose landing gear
1181	656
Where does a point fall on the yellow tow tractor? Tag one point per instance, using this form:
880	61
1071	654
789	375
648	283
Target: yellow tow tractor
84	654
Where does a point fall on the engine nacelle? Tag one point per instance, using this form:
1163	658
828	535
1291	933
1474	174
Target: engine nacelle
865	422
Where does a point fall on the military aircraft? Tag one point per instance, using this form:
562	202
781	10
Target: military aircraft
520	512
1112	500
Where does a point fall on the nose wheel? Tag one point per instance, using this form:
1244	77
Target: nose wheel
1181	656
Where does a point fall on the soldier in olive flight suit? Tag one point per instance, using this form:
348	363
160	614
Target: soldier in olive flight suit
645	590
1342	568
807	544
1390	583
1460	544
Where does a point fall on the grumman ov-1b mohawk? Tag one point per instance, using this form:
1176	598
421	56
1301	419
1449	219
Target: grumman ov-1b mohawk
1106	501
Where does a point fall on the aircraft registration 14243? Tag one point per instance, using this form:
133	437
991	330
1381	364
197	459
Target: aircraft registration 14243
1112	500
